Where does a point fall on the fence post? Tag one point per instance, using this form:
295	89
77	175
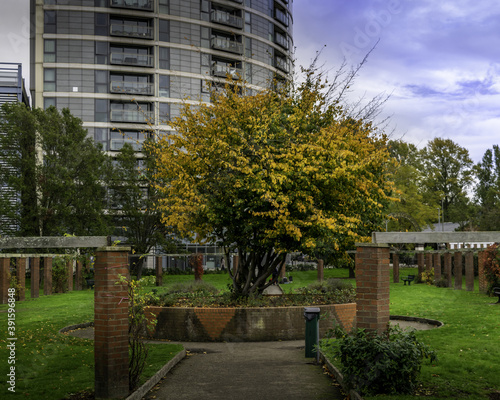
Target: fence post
69	268
47	276
4	279
437	266
483	283
469	271
111	323
159	271
78	275
395	268
21	277
35	277
457	262
447	268
320	270
372	286
420	263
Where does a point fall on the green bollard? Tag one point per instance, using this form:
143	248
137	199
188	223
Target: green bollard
311	315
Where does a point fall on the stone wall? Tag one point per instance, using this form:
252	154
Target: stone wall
245	324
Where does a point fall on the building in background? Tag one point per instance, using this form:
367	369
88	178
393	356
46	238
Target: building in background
11	90
119	64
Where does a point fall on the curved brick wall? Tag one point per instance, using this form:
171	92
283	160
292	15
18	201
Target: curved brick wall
245	324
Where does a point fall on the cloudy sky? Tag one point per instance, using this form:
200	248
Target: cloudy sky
439	60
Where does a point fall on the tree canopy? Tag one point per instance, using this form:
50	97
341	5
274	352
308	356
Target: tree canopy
278	171
56	172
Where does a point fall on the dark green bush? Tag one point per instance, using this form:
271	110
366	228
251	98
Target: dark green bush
380	364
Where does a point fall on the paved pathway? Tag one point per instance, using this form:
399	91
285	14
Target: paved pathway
244	371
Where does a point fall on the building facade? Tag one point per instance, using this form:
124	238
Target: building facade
11	90
120	65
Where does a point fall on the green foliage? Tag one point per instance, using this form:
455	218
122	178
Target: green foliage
65	192
487	190
201	287
388	363
139	324
60	274
427	277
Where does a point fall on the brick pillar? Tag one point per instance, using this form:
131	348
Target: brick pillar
447	268
320	270
372	286
395	268
47	276
469	271
483	283
159	271
420	263
111	323
78	275
428	262
4	279
69	267
35	277
457	263
437	266
21	277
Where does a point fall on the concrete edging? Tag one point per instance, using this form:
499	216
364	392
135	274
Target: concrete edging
139	393
353	395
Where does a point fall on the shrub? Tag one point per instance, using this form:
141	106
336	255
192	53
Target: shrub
492	266
443	282
60	274
200	287
427	277
379	364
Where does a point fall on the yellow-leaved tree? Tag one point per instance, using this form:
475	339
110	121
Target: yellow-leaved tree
278	171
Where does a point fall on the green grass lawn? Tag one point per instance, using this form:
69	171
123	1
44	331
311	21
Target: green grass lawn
468	345
50	365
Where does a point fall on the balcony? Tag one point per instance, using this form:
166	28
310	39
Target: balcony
117	144
145	5
222	70
281	40
138	60
281	16
225	18
281	63
146	88
129	30
133	116
224	44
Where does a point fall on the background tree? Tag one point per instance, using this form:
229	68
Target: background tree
272	173
447	172
68	179
134	201
487	190
411	212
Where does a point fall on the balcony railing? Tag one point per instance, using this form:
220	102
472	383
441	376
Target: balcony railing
225	18
129	30
117	144
224	44
281	40
136	116
140	60
223	70
124	87
135	4
281	16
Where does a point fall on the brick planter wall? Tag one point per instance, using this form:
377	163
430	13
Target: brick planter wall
245	324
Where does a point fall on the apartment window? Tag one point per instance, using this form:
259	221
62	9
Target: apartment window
164	58
101	24
205	37
164	28
101	81
49	50
101	110
163	5
248	47
164	113
205	86
205	10
248	22
164	86
49	102
50	22
205	64
100	3
101	136
248	72
49	80
101	52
